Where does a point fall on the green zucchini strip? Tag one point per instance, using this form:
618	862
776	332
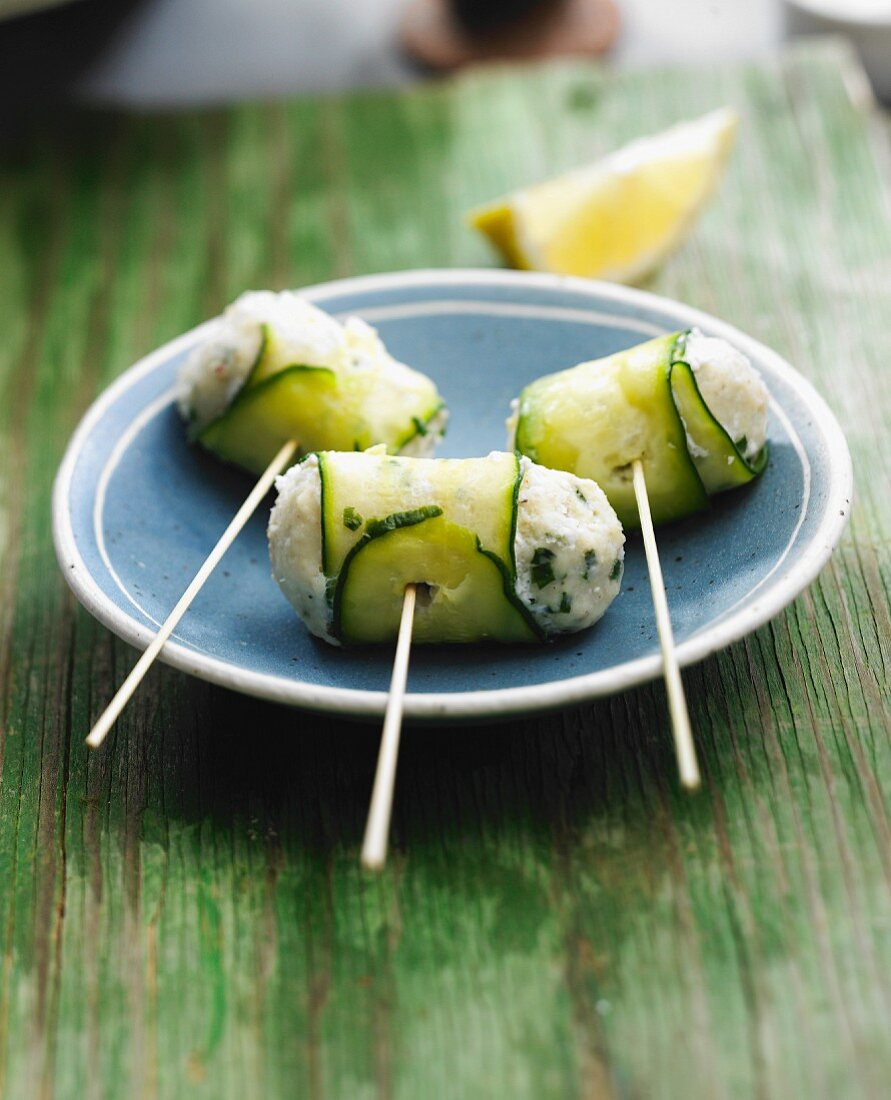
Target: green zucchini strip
374	529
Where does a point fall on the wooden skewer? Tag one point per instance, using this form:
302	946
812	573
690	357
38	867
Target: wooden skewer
377	830
685	750
111	713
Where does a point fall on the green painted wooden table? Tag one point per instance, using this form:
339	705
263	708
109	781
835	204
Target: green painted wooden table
182	913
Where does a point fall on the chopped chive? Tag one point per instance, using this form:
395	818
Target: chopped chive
352	519
565	604
590	562
616	570
542	567
581	495
377	527
420	425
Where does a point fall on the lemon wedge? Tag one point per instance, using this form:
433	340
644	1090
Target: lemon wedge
619	217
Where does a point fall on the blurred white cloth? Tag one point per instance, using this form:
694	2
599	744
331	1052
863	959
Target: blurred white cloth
209	51
699	30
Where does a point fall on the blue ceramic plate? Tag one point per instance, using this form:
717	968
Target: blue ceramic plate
136	509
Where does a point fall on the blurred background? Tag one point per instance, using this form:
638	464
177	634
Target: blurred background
145	53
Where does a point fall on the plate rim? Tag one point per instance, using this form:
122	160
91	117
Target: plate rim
481	704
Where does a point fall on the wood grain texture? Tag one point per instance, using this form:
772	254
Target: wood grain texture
183	913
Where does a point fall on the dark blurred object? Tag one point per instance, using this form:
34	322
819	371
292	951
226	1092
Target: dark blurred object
43	53
448	34
475	16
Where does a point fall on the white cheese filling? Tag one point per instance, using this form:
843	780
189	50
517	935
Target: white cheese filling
295	545
733	390
570	549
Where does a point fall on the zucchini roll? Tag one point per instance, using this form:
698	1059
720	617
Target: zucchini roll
500	548
690	407
274	368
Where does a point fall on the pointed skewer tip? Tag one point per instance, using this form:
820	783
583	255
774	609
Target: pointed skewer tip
685	748
377	829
